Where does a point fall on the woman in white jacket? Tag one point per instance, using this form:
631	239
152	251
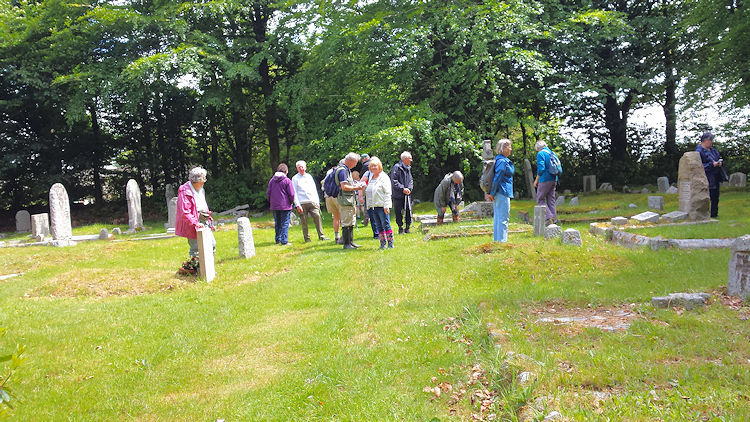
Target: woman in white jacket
379	200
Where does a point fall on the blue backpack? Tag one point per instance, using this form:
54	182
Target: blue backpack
330	187
555	167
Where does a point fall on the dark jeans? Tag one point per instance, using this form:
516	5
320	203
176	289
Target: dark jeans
373	223
713	194
402	209
281	225
383	219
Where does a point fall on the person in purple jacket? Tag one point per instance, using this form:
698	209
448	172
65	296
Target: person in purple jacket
280	194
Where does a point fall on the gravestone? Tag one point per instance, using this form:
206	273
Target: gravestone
572	237
632	206
662	184
540	219
738	180
103	234
40	225
606	187
693	187
625	189
645	190
487	152
589	183
23	221
59	215
573	201
674	216
646	217
688	300
560	201
116	231
245	237
529	174
552	231
672	190
619	221
169	192
524	216
206	253
739	268
480	209
656	202
171	213
135	218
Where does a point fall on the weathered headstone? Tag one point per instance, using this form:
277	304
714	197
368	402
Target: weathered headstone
206	253
40	225
103	234
606	187
674	216
619	221
487	150
662	183
135	217
540	219
573	201
59	214
245	237
739	268
480	209
552	231
560	201
646	217
116	231
572	237
589	183
738	180
171	213
529	174
672	190
693	187
688	300
524	216
656	202
23	221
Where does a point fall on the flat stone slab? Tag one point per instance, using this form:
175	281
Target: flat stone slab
687	300
572	237
7	276
552	231
619	221
674	216
646	217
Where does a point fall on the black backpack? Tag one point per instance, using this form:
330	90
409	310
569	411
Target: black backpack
488	175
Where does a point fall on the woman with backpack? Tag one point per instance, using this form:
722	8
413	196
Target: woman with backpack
502	190
547	170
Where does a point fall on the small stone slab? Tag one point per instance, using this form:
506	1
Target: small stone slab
40	225
674	216
206	254
573	201
104	234
646	217
656	202
739	268
572	237
552	231
619	221
560	201
687	300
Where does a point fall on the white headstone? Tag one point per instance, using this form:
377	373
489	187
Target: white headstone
589	183
40	225
135	217
245	237
739	268
540	219
662	184
646	217
59	213
23	221
656	202
206	253
738	180
171	213
693	186
572	237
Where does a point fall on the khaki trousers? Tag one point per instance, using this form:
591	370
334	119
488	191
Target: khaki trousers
313	210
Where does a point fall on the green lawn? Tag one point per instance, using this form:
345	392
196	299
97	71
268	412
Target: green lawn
315	332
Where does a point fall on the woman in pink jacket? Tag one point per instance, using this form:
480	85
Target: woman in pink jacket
192	214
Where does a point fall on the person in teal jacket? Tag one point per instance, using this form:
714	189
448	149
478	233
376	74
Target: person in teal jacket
502	190
545	183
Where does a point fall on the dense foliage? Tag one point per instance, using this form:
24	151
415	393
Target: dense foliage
96	92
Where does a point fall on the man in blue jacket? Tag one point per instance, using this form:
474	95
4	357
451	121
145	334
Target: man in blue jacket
401	185
713	165
545	183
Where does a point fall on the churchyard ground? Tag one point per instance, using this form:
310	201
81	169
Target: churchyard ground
451	329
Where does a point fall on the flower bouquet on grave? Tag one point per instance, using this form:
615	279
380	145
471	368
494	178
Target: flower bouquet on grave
190	267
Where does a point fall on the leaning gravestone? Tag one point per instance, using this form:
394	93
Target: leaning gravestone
172	213
135	217
589	183
552	231
23	221
662	184
693	186
40	225
206	253
738	180
560	201
529	178
739	268
656	202
572	237
540	218
59	214
245	237
674	216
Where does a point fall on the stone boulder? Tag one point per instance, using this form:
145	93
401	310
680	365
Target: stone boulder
693	187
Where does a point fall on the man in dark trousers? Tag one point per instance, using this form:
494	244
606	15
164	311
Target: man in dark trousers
402	185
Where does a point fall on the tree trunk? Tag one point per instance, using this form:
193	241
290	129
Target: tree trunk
670	112
96	152
616	122
260	23
523	136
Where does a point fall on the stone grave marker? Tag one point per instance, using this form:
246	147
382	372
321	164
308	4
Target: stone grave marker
688	300
116	231
552	231
625	189
619	221
646	217
739	268
606	187
572	237
645	190
573	201
662	184
103	234
674	216
59	214
481	209
206	253
529	174
540	219
40	225
23	221
738	180
524	216
656	202
487	150
169	192
245	237
672	190
135	217
589	183
560	201
171	213
693	187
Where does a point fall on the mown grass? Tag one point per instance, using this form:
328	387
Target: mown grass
315	332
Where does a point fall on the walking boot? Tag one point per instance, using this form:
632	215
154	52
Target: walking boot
346	235
440	221
351	237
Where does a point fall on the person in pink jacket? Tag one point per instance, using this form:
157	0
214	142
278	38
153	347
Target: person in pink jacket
192	214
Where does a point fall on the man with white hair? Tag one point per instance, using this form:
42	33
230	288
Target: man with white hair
306	200
546	180
402	185
347	199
